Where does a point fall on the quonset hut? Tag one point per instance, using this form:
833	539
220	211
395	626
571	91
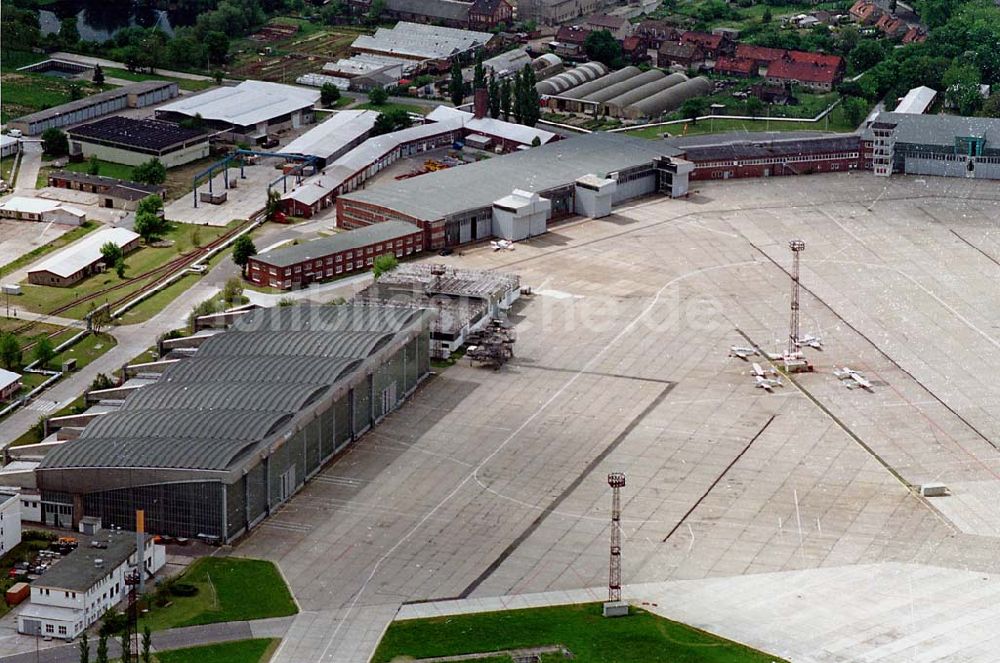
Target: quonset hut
230	433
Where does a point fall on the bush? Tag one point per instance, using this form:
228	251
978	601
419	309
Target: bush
113	623
183	589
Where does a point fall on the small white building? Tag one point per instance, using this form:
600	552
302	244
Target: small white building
9	146
79	588
21	208
10	384
10	521
594	196
520	215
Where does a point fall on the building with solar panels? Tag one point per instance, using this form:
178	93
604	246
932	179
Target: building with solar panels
128	141
238	420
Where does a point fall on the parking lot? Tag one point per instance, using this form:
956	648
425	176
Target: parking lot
494	483
20	237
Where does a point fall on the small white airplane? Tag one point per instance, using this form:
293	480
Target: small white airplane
742	352
502	245
767	384
856	379
810	341
758	372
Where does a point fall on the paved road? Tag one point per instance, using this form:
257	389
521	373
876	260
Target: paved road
31	162
177	638
87	59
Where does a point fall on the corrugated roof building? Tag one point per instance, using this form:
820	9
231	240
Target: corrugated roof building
81	259
227	435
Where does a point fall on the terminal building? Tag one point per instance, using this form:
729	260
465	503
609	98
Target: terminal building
516	195
941	145
230	431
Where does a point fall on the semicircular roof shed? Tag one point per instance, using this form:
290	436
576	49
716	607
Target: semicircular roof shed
310	343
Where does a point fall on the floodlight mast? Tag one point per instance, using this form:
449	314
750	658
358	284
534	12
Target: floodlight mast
617	481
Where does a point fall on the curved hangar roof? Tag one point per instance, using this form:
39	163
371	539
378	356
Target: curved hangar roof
205	414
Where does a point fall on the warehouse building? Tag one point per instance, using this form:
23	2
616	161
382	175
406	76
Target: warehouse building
328	258
132	142
113	193
917	100
136	95
561	82
249	111
667	100
461	205
423	43
81	587
941	145
81	259
20	208
330	140
226	436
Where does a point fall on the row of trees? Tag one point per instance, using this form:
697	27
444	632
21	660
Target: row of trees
509	98
12	354
145	653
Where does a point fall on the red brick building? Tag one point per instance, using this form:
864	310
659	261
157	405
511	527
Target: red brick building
328	258
711	45
683	55
775	158
488	14
739	67
816	71
761	55
654	33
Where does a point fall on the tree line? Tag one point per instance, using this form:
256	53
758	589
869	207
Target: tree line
509	98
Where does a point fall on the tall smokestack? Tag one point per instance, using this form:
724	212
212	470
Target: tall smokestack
481	103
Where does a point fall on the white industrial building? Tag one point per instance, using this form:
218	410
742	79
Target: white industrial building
335	137
421	42
21	208
81	259
917	100
10	521
78	589
250	110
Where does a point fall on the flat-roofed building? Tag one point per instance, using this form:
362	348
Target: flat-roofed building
22	208
82	258
331	257
248	111
128	141
135	95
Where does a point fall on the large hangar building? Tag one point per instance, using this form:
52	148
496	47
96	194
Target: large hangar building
231	432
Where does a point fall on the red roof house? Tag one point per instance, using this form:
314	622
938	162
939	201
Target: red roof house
729	66
817	73
711	45
762	55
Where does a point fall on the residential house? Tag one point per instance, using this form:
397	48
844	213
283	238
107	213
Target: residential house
654	33
914	36
891	26
634	49
865	12
618	26
817	71
711	45
671	54
740	67
488	14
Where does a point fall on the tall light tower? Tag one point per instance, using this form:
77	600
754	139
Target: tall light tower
793	359
615	607
797	246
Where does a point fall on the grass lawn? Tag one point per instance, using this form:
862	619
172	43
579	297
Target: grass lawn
108	169
182	83
42	299
25	93
153	304
58	243
89	348
389	106
239	651
639	638
6	166
229	589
